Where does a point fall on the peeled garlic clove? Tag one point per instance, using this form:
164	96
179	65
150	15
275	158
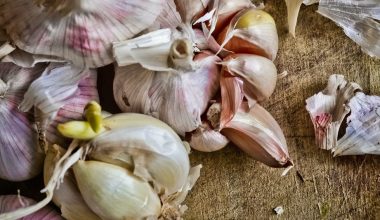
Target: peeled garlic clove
191	9
13	202
207	139
251	31
20	153
363	127
79	31
114	193
178	98
259	74
158	154
257	133
59	95
67	197
328	109
359	20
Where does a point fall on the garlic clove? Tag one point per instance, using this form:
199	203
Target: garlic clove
293	8
158	154
206	139
251	31
259	74
359	20
21	156
256	132
363	127
176	97
67	197
13	202
59	95
114	193
79	31
328	109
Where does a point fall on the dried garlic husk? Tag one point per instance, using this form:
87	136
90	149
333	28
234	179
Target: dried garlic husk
67	197
113	192
169	17
59	95
256	132
21	157
177	96
80	31
12	202
359	20
251	31
328	109
191	9
259	74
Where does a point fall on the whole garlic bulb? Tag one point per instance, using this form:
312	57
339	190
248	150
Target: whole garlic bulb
80	31
12	202
21	157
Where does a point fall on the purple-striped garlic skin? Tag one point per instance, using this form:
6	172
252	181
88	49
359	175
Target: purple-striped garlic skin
79	31
20	155
10	203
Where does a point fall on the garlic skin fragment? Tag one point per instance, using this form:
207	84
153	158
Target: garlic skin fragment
114	193
191	9
328	109
259	74
206	139
363	127
78	31
12	202
251	31
256	132
20	155
359	20
176	97
67	197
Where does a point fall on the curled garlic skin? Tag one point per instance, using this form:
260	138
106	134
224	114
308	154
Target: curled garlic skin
329	108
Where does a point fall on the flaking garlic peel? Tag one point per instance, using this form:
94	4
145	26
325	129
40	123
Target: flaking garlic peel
171	155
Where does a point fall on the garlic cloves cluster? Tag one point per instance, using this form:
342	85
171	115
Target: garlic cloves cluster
203	76
133	167
340	103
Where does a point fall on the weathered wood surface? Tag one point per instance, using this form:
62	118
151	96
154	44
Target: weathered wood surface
233	186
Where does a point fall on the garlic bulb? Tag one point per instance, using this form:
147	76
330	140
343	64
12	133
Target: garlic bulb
80	31
136	167
59	95
329	108
12	202
251	31
19	150
189	87
256	132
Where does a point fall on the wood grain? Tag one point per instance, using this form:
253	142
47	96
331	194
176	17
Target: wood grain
233	186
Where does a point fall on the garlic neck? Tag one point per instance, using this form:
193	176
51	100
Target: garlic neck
181	55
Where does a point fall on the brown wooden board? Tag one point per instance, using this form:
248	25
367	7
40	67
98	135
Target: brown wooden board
233	186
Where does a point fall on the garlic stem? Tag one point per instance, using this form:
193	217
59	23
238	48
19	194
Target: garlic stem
181	55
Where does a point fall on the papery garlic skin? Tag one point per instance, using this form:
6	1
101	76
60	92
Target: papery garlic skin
12	202
67	197
328	109
251	31
114	193
83	33
177	98
20	153
256	132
